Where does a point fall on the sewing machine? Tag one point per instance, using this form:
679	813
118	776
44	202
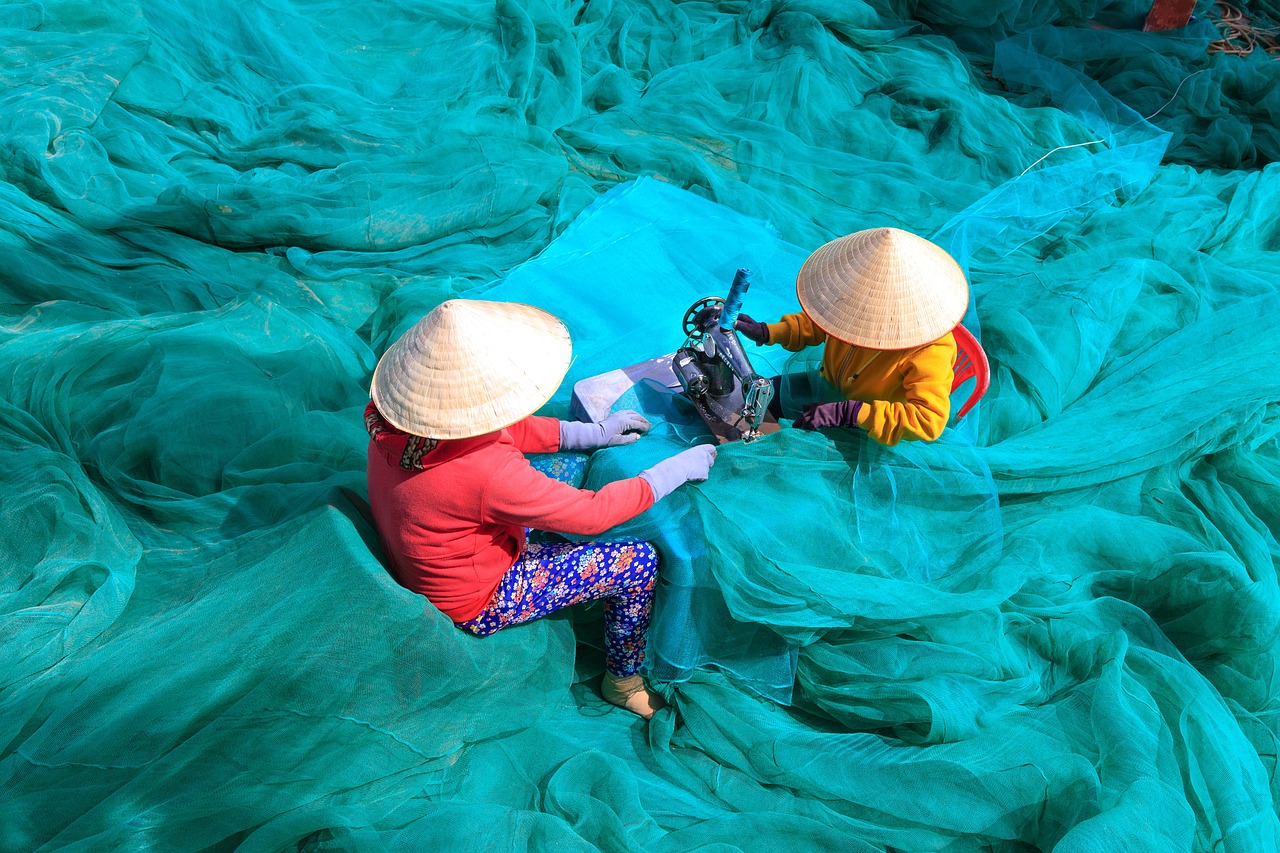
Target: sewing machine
710	369
715	373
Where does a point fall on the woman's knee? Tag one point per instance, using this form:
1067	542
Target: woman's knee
643	565
480	627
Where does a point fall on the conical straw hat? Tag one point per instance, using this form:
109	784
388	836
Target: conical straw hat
883	288
471	367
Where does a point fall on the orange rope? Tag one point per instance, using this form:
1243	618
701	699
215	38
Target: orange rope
1242	35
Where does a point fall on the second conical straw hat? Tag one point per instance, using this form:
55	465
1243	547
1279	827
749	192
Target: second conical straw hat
883	288
471	367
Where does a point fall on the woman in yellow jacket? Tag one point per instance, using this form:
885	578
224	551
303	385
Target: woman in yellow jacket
884	302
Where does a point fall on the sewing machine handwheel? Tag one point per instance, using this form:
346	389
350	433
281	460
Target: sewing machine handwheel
691	329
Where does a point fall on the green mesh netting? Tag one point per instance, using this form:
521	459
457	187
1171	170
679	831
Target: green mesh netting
1053	629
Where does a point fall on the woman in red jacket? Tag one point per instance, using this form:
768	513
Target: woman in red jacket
453	494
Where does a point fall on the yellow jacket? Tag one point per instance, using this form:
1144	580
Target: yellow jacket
907	392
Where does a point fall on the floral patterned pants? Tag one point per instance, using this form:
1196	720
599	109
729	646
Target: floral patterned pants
548	577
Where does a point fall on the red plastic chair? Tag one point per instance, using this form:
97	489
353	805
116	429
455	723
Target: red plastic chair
971	363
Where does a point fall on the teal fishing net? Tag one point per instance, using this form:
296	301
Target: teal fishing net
1054	628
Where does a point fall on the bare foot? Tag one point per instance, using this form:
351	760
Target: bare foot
630	692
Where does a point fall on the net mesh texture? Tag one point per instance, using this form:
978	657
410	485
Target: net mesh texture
1053	629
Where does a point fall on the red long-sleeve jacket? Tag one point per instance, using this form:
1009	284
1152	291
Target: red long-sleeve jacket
453	528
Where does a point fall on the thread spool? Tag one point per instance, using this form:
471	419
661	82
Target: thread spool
733	304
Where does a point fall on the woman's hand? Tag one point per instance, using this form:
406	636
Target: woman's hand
623	427
757	333
686	466
827	415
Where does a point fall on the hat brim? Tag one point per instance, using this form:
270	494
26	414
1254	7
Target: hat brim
883	289
474	368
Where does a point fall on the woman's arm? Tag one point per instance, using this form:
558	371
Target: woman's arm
518	494
536	435
794	332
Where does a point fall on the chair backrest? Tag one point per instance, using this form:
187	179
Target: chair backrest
971	363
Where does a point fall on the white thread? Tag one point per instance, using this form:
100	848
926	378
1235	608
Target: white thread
1059	148
1126	127
1175	95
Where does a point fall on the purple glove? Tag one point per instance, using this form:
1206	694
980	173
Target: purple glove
826	415
674	471
623	427
758	333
